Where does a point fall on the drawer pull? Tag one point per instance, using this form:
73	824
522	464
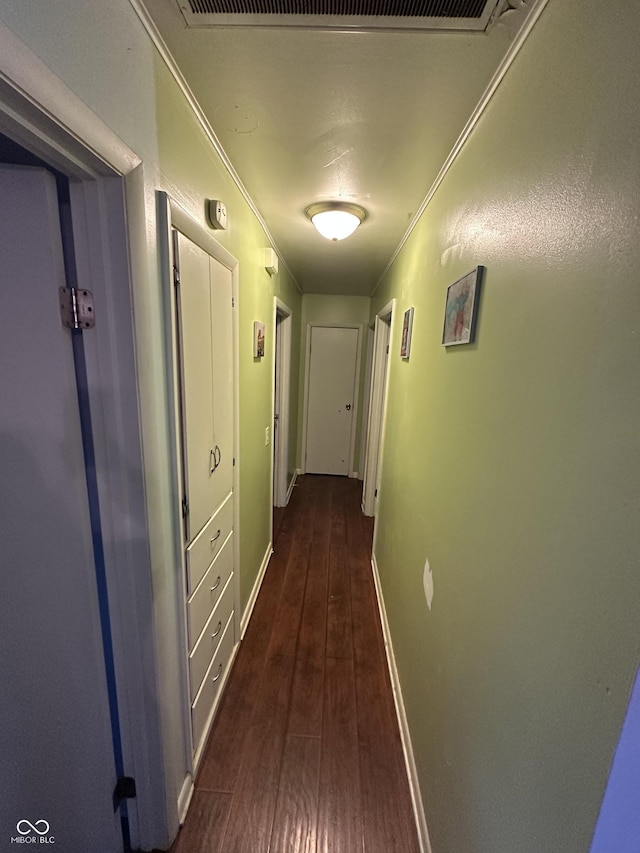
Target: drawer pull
216	584
217	631
216	677
211	541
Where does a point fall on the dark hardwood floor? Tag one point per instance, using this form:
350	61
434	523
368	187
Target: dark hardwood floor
305	753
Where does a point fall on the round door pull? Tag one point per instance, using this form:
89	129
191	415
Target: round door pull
348	407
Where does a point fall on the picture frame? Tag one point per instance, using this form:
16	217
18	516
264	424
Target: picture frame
461	309
407	328
258	339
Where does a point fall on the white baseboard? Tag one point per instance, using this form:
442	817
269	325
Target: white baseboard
407	748
292	484
354	475
299	472
184	797
256	589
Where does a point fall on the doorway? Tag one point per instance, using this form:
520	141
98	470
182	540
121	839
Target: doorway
282	476
102	479
333	368
377	409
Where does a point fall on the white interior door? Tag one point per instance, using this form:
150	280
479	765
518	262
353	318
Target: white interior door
222	354
331	399
56	749
282	371
381	339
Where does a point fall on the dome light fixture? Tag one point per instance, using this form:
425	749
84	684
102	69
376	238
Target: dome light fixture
336	220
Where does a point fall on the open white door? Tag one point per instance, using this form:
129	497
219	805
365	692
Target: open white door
56	747
382	335
281	402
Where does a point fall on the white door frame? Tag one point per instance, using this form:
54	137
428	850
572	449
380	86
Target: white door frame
42	115
281	401
378	408
366	401
356	393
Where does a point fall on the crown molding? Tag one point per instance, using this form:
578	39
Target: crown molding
534	9
167	57
39	104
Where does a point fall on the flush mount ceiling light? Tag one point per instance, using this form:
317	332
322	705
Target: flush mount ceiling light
335	220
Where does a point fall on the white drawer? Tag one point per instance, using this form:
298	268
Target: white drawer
206	698
204	599
208	543
210	639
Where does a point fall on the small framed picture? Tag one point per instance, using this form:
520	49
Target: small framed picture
461	309
407	327
258	340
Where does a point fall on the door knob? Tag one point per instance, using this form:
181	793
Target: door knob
348	407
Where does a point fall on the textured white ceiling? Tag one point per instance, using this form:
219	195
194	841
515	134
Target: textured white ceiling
307	116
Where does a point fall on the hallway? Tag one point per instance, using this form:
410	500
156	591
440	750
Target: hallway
305	753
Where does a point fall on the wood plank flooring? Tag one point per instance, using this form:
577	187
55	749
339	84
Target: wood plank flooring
305	754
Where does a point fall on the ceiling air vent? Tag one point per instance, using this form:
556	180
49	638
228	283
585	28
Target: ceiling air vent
342	14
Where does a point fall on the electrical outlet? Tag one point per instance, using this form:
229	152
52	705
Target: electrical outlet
266	437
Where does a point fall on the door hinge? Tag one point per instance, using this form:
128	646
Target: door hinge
387	349
185	507
125	790
76	308
176	276
234	461
233	302
375	494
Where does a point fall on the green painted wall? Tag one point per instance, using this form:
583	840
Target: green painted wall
345	310
193	172
512	464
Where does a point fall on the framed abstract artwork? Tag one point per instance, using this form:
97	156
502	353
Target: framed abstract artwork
461	309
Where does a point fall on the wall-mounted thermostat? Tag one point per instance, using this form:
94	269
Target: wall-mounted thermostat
217	214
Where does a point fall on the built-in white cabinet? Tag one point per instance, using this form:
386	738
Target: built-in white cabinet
202	337
204	297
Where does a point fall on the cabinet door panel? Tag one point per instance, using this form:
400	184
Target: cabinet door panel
197	382
222	342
